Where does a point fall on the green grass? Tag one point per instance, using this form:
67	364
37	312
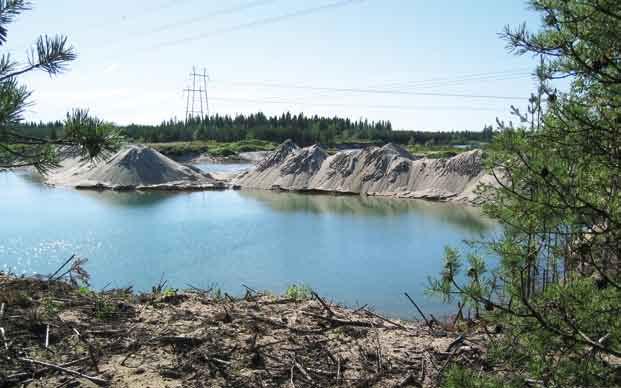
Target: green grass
213	148
435	152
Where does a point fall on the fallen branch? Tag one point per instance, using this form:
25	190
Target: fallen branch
95	380
400	326
323	303
179	340
410	379
341	322
419	311
51	277
302	370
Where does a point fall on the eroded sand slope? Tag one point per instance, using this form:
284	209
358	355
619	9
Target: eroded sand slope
388	171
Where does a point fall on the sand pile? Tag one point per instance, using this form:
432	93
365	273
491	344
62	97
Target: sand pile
389	171
133	168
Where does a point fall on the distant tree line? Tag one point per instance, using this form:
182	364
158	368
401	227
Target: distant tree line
302	129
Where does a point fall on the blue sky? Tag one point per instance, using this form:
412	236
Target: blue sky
134	58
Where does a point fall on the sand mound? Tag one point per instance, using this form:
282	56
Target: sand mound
134	167
389	170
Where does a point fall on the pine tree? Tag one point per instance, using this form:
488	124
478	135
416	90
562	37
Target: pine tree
87	135
556	295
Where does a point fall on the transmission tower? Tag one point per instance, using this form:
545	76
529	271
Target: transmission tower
198	89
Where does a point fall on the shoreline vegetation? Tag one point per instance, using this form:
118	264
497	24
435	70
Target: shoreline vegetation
56	331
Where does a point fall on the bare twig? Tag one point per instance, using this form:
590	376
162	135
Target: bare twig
409	380
400	326
95	380
51	277
419	311
323	303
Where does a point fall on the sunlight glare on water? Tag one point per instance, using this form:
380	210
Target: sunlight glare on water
352	249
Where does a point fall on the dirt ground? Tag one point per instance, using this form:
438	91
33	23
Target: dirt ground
56	334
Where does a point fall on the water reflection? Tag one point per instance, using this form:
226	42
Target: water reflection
130	199
352	249
224	167
467	217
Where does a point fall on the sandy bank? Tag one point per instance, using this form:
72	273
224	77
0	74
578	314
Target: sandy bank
384	171
132	168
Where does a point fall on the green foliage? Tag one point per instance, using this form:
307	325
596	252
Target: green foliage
49	308
433	151
84	291
458	377
217	293
96	138
212	148
105	310
556	293
83	134
169	292
298	291
304	130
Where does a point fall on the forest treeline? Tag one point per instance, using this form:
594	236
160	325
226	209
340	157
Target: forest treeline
302	129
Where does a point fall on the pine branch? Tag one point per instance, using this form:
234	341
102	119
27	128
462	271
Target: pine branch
13	101
50	54
9	9
6	64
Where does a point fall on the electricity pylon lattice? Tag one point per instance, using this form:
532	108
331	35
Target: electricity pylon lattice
198	89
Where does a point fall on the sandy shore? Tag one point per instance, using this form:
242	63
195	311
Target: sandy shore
56	333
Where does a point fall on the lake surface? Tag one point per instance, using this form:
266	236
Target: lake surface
351	249
224	167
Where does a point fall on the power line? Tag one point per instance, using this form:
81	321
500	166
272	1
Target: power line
272	100
218	12
459	86
256	23
447	82
162	6
372	91
458	78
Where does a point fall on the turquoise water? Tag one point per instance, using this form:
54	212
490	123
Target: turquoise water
224	167
351	249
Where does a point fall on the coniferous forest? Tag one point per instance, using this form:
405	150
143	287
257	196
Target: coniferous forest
302	129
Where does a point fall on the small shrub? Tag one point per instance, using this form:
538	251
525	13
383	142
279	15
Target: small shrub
49	307
216	293
104	310
459	377
169	293
84	291
298	292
